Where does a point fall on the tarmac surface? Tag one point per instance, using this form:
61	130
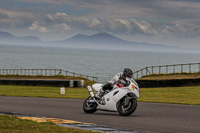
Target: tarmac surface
152	117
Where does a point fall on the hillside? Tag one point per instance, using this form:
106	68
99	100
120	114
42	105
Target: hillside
96	41
107	41
7	38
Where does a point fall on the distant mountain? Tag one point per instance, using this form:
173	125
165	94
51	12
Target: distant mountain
96	41
96	38
5	35
107	41
7	38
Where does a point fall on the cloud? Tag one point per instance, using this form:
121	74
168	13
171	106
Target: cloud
63	19
123	8
50	17
62	27
143	27
61	14
119	25
128	26
87	22
38	27
4	15
155	18
182	29
63	23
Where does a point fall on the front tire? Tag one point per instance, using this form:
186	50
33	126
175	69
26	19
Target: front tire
89	107
127	110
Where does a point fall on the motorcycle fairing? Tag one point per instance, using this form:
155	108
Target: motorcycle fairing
97	86
111	99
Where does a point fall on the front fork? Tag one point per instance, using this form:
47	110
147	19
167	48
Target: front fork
126	100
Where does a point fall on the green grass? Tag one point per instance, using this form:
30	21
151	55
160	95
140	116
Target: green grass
179	95
42	91
12	124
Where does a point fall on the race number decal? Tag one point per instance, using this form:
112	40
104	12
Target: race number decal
134	87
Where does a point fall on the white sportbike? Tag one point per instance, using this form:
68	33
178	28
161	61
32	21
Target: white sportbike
120	98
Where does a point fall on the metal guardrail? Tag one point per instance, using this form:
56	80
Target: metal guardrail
43	72
168	69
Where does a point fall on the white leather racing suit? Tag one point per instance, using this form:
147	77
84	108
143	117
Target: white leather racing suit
118	79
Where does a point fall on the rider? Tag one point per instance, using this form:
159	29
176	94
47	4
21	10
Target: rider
120	78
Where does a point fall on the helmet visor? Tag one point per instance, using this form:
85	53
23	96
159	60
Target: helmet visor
130	75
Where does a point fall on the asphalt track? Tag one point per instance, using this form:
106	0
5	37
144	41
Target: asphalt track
155	117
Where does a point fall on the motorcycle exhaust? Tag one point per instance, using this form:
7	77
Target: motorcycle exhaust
90	91
92	94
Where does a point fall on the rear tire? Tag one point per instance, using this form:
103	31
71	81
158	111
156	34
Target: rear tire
89	107
128	110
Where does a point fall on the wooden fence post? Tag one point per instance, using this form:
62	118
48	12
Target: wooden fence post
159	69
189	68
141	73
66	73
146	71
174	69
199	67
181	68
166	69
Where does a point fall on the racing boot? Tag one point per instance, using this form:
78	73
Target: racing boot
99	94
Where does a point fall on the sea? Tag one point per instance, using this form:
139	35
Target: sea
103	64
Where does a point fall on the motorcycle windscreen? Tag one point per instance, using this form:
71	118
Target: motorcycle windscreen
97	86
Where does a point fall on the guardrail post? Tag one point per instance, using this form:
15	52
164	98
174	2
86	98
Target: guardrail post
174	69
66	72
159	69
146	71
166	69
199	67
189	68
181	68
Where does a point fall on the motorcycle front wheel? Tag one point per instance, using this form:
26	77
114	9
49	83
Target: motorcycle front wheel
89	107
129	109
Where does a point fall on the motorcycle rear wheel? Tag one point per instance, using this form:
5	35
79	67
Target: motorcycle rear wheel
127	110
89	107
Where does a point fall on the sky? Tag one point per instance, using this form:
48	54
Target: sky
169	22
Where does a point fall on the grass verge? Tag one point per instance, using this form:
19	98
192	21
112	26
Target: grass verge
179	95
12	124
42	91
